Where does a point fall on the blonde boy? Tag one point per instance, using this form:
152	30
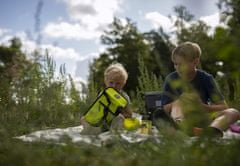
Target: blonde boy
189	85
115	76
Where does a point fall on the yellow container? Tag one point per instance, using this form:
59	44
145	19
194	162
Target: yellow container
131	123
146	127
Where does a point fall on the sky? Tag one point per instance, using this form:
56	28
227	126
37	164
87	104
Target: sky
70	29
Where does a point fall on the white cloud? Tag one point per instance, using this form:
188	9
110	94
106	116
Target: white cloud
3	31
4	40
213	21
159	20
70	31
58	53
93	12
88	19
167	23
68	56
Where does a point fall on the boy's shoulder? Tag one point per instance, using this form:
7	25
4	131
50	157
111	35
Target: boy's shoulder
203	74
172	76
175	75
200	74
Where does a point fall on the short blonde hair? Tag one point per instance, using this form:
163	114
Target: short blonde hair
118	70
187	50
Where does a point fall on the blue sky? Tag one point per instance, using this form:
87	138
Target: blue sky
70	29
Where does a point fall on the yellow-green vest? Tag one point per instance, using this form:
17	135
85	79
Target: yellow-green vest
107	106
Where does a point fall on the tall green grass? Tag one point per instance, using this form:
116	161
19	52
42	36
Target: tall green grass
170	152
43	98
147	82
232	98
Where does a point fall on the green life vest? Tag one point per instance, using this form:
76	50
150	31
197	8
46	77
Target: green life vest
107	106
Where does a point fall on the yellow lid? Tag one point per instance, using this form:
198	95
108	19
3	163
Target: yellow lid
131	123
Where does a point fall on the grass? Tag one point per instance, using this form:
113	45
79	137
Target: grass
167	152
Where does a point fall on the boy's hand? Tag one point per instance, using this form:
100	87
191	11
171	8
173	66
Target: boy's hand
127	113
190	98
191	101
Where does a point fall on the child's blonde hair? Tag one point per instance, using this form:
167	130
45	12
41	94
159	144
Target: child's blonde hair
118	70
187	50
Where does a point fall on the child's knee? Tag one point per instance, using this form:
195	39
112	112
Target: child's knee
117	122
232	113
82	120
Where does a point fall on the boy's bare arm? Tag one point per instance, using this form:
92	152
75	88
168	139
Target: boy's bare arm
127	112
168	107
209	108
216	106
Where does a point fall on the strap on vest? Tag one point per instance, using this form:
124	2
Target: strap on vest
103	122
105	113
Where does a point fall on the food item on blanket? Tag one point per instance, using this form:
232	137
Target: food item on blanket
235	127
131	123
197	131
146	127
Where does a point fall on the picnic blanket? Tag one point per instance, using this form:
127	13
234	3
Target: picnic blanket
73	134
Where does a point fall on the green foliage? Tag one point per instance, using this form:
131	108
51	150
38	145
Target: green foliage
166	152
147	82
125	45
233	99
12	68
183	15
160	53
32	95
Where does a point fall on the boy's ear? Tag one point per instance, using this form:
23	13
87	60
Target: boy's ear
196	61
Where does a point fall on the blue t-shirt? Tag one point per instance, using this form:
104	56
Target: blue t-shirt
203	83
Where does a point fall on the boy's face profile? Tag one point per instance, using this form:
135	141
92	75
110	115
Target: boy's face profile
115	81
185	67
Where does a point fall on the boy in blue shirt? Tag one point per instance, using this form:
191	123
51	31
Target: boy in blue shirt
192	94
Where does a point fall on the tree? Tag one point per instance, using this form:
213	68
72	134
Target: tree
228	42
13	66
183	16
125	45
160	53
